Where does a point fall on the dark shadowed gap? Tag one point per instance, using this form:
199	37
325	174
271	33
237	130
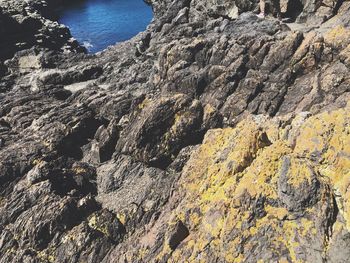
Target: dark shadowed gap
294	9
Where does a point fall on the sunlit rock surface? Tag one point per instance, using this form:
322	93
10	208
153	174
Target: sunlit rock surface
213	136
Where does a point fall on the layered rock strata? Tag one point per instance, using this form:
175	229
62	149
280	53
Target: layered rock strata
213	136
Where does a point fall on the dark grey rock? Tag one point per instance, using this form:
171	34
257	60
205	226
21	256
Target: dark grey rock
92	146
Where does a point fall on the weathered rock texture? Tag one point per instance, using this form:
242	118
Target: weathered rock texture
213	136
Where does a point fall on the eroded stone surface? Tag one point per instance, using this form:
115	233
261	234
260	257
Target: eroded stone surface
213	136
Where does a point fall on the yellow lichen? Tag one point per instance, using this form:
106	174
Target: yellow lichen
337	36
122	218
144	104
37	162
46	255
299	172
79	170
234	168
94	223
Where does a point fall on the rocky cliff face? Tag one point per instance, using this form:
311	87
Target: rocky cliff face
213	136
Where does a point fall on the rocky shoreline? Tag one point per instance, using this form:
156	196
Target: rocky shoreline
213	136
25	24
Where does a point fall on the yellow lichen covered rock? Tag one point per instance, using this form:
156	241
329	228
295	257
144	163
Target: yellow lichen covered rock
266	190
338	36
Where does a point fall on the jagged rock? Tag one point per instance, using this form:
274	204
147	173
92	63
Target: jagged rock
161	129
214	135
179	233
132	190
103	146
297	196
236	204
108	224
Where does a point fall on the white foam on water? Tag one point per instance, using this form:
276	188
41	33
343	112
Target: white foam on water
88	45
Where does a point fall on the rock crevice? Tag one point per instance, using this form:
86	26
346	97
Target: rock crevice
213	136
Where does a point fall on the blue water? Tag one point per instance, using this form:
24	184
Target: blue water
97	24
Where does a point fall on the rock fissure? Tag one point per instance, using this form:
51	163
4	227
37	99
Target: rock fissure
213	136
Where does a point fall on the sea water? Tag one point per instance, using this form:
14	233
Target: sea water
97	24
